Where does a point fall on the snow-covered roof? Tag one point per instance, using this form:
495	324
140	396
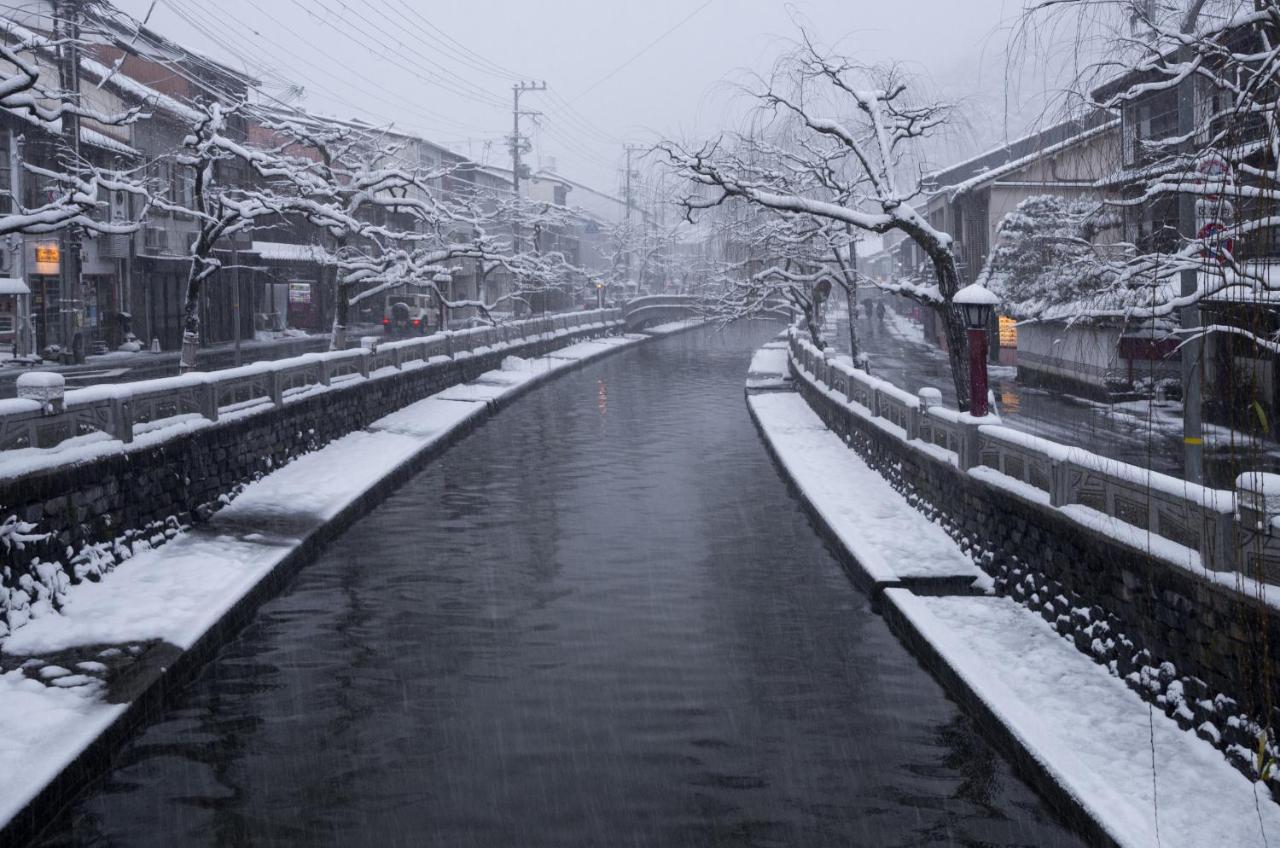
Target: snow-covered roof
1164	167
556	177
105	142
314	119
144	94
128	86
1019	148
279	251
12	285
993	174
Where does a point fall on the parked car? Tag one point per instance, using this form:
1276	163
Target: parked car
407	315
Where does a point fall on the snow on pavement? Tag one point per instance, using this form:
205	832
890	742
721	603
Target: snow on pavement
769	367
890	539
1089	731
44	729
583	351
672	327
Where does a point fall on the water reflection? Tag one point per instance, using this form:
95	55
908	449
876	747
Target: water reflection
575	628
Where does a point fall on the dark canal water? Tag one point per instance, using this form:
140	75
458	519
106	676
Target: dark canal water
600	620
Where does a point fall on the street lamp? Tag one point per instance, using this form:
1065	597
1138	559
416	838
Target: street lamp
599	295
977	302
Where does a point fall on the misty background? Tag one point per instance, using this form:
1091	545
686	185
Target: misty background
617	72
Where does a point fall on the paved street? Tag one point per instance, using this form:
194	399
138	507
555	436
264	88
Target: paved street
1143	432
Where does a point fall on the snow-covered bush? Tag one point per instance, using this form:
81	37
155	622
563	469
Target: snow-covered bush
1047	258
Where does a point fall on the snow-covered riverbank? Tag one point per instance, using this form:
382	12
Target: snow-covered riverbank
1126	772
71	683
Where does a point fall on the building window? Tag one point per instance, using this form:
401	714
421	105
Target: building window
1008	332
6	177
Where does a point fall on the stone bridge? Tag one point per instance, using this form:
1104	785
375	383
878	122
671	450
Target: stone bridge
658	309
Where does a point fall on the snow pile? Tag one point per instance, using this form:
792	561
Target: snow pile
42	729
1144	779
890	539
516	363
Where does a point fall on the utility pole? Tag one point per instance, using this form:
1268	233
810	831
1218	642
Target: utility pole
67	29
629	149
517	141
24	329
235	301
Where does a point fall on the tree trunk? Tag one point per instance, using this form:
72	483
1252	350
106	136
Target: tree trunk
953	324
815	331
851	312
341	318
191	317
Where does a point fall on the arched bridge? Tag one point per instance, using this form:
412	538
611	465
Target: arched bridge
658	309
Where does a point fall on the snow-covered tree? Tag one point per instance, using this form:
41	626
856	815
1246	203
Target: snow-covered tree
769	266
30	94
352	183
850	135
1226	55
221	209
1047	262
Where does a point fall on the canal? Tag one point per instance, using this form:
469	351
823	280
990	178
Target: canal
599	620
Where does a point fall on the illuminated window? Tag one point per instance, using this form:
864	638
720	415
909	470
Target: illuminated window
1008	332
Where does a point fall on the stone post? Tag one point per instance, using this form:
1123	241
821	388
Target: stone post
122	420
273	388
1059	482
968	451
47	387
209	400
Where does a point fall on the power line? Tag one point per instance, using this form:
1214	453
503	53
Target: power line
375	91
642	51
477	61
222	33
453	47
406	63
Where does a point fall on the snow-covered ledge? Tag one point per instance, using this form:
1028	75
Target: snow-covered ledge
1122	561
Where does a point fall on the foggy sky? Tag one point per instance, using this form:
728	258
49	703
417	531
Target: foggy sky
672	88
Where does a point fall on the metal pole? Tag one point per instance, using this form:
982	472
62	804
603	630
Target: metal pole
235	300
1193	347
24	331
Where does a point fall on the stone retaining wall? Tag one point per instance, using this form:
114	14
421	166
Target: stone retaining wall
98	512
1203	652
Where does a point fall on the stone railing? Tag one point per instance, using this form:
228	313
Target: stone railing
1203	523
120	409
653	300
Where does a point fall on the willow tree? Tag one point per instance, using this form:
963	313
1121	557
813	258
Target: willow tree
848	151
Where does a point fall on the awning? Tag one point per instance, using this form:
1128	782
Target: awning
12	285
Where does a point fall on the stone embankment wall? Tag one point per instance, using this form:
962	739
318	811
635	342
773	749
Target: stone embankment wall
1204	649
98	512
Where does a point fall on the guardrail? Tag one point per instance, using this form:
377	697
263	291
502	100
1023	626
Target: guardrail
1196	517
118	409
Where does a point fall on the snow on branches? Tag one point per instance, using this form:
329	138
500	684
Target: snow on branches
832	140
78	191
1196	82
1047	263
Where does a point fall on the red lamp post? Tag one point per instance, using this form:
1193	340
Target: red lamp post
976	302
